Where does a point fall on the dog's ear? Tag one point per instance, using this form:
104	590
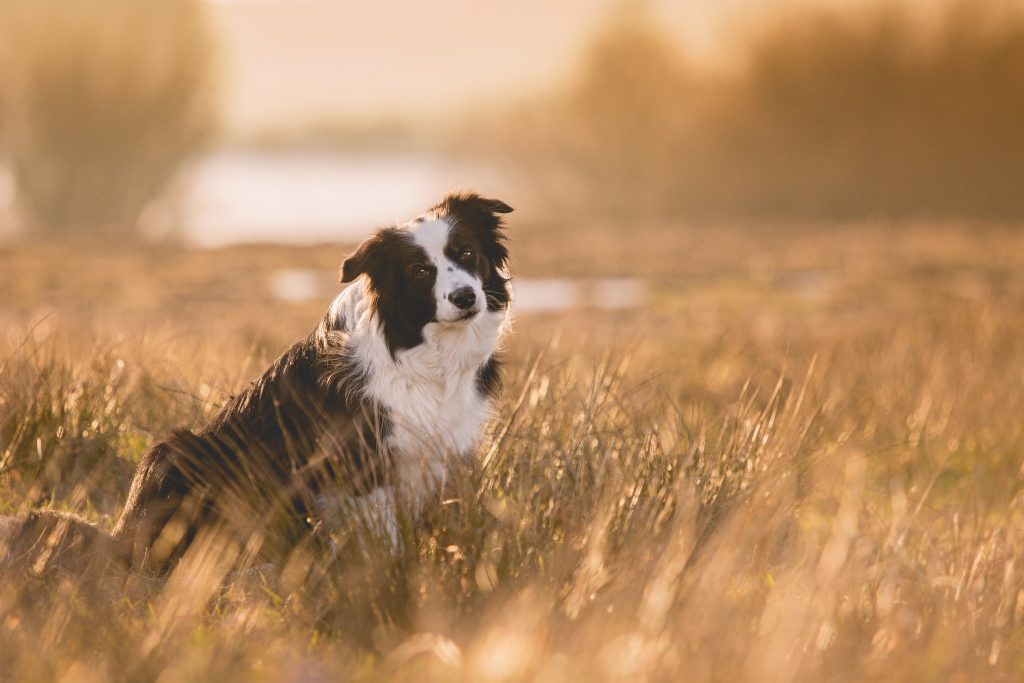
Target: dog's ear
495	205
462	204
360	261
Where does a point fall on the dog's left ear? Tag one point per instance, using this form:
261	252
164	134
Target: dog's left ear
495	205
491	227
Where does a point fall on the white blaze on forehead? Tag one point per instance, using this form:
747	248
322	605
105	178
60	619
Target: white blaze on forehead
431	233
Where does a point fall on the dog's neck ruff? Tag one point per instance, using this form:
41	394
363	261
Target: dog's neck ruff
432	395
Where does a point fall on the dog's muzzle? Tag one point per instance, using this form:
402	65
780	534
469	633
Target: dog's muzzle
463	298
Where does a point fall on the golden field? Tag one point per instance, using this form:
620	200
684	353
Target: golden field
801	459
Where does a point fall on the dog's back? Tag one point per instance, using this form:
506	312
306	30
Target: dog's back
253	470
256	466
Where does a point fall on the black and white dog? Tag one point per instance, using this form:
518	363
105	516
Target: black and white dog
393	386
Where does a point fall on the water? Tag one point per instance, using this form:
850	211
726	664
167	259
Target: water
309	197
304	197
559	294
531	295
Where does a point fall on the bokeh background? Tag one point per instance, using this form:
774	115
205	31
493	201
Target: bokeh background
309	120
763	411
622	131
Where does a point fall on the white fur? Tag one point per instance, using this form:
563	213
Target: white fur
436	412
432	235
368	518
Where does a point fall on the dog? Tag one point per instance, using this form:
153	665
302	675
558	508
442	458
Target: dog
392	387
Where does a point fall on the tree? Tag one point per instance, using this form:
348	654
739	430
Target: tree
103	101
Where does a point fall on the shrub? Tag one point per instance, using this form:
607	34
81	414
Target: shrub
832	114
844	116
103	103
628	108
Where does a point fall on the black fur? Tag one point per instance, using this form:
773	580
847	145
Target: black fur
402	281
259	462
488	377
477	225
254	471
402	277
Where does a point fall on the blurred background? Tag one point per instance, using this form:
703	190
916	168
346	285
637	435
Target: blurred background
195	156
234	121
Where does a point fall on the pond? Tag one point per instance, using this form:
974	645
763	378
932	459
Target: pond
532	295
303	196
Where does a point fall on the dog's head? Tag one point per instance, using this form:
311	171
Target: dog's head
446	267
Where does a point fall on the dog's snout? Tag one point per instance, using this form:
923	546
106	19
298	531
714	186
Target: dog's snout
463	297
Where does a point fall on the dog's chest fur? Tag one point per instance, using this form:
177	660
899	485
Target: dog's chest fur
435	403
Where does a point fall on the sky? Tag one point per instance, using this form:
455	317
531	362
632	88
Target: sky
298	62
295	63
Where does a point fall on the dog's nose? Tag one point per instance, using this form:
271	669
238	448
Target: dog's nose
463	297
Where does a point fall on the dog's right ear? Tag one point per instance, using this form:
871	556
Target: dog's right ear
360	262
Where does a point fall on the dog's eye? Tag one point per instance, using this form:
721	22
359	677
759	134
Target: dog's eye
420	271
466	254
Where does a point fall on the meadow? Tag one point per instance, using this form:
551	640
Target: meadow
801	460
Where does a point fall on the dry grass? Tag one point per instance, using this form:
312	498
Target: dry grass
801	462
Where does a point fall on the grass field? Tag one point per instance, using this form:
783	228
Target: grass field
803	459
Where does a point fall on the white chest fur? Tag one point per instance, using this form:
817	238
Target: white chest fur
435	409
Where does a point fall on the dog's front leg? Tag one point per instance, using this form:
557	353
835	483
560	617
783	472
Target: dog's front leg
378	517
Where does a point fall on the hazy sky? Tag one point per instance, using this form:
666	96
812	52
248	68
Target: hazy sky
295	62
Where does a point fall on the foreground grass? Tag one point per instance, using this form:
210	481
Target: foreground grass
772	473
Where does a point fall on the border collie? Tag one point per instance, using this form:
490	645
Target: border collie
393	386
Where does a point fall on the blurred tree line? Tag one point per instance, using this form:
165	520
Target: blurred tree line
833	115
101	102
